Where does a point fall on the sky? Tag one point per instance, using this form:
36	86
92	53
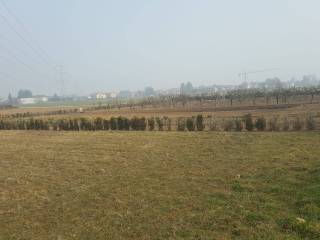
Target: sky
80	46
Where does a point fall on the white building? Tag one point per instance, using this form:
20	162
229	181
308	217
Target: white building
101	96
24	101
33	100
113	94
41	98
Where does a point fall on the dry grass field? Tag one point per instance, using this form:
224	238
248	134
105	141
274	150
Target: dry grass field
159	185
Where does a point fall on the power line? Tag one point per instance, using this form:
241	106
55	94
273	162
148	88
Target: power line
245	73
20	50
19	60
22	38
31	42
8	75
61	72
23	26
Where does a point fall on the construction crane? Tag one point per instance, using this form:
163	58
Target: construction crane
244	75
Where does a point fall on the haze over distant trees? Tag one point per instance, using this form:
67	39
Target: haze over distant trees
25	93
186	88
149	91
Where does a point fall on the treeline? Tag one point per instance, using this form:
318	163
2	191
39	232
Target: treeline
38	114
6	106
195	123
224	98
238	96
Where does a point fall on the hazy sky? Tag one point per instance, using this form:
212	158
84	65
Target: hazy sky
129	44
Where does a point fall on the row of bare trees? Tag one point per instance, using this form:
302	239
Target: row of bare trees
233	97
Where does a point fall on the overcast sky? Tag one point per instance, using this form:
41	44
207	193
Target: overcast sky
125	44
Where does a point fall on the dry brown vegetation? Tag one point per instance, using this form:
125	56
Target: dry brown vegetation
164	185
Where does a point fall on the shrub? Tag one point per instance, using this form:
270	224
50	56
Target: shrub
98	123
126	124
55	126
123	123
151	124
76	125
31	124
212	124
261	124
71	124
106	124
113	123
310	123
297	124
143	124
159	123
138	124
238	124
167	122
181	124
228	125
199	123
85	124
285	125
190	124
273	124
21	125
248	122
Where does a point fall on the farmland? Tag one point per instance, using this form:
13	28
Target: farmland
159	185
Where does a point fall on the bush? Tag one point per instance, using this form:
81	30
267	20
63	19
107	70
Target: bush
138	124
151	124
261	124
199	123
181	124
238	124
85	124
76	125
228	125
212	123
285	125
98	123
167	122
30	125
123	123
190	124
159	123
248	122
113	123
126	124
298	124
106	124
311	123
21	125
273	124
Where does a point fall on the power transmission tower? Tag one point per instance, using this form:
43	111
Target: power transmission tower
61	72
244	75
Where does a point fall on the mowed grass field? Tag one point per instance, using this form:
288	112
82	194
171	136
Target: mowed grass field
159	185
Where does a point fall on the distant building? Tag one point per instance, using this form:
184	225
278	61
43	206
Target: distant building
41	98
113	94
33	100
25	101
101	96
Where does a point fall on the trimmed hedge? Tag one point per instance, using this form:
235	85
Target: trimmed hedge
198	123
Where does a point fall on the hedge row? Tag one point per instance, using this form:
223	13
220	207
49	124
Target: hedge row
196	123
